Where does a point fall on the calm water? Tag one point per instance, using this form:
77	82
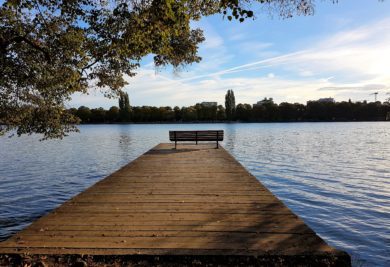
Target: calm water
336	176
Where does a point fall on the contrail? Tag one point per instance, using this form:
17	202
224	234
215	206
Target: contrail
248	66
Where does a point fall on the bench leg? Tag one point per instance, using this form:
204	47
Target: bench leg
217	144
175	144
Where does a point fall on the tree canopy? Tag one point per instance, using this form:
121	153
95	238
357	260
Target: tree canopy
51	49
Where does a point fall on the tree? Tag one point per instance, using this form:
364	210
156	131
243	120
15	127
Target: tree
113	114
258	113
124	107
244	112
178	113
221	113
189	113
206	112
98	115
51	49
84	113
230	105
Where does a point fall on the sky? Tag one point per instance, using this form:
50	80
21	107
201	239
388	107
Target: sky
342	51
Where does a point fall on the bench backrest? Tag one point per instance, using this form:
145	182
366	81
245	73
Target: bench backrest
210	135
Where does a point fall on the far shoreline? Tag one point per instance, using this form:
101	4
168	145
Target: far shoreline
226	122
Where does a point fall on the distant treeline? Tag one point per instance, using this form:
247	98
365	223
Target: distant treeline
267	111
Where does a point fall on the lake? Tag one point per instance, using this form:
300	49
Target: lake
335	176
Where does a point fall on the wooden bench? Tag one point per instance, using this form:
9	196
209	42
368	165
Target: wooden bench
197	136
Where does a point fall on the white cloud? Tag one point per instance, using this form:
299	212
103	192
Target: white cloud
213	40
367	87
305	73
254	46
343	65
165	91
92	100
359	53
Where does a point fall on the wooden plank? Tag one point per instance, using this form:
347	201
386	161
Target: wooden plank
269	242
261	242
55	218
193	200
171	226
157	231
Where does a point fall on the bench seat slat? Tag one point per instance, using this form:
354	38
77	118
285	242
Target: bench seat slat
201	135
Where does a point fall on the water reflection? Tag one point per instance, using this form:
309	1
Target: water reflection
230	136
124	144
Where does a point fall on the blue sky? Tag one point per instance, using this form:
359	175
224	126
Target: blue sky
343	51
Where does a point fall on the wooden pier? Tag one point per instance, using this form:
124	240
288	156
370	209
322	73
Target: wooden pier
190	206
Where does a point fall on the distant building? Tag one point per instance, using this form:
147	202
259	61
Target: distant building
326	100
209	104
264	101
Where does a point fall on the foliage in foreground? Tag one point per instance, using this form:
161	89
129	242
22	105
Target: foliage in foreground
50	49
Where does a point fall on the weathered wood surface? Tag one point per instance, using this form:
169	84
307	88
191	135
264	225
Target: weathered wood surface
195	200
